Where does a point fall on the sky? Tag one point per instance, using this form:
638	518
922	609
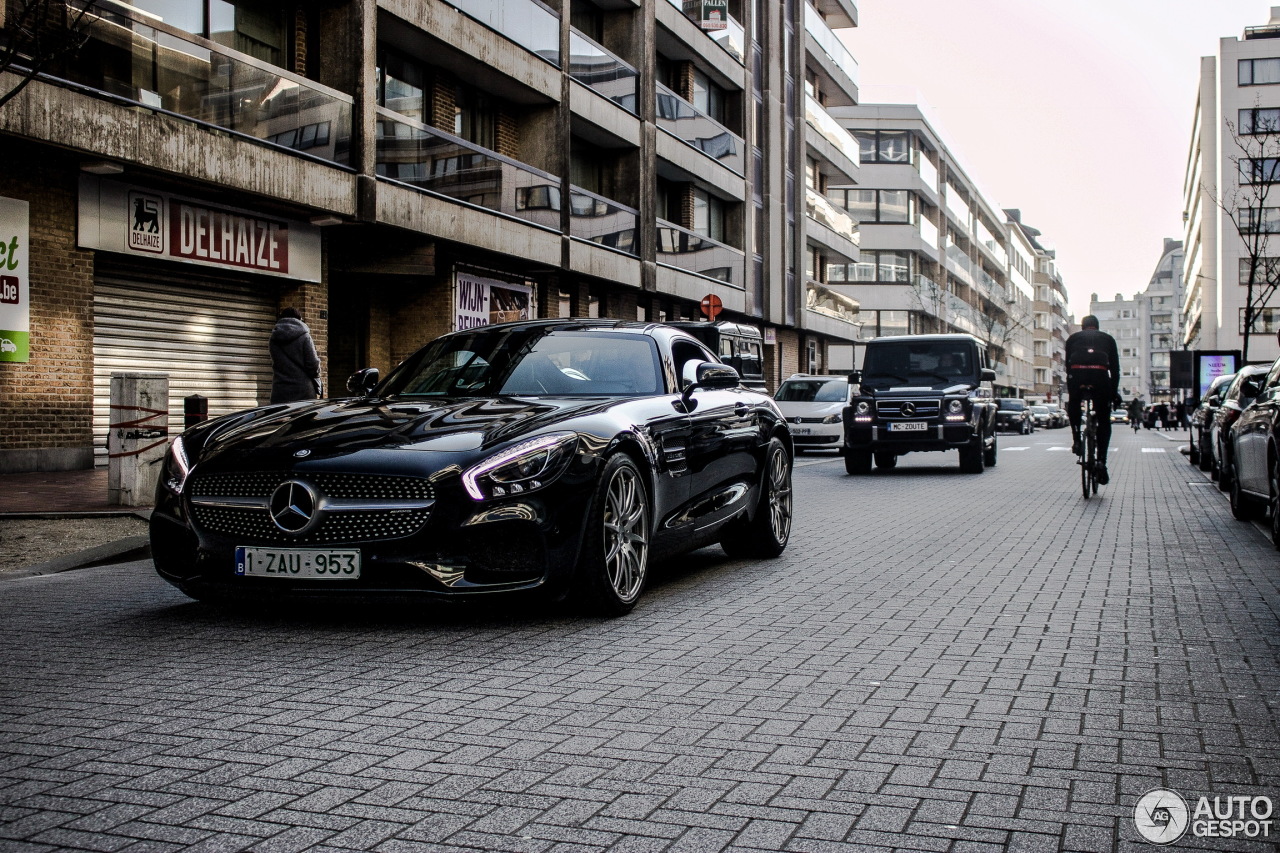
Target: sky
1077	113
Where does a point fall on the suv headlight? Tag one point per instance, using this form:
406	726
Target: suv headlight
527	466
955	407
863	407
176	467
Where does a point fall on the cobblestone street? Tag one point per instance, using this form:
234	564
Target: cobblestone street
939	662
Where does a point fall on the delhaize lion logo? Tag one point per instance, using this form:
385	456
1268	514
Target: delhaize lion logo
146	222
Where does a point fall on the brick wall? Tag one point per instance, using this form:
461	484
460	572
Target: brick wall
508	134
786	357
46	405
299	39
419	313
444	96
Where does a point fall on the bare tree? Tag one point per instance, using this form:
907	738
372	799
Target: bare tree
1257	166
1000	331
930	296
35	34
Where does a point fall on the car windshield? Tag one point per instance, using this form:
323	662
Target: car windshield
925	363
531	363
813	391
1015	405
1040	410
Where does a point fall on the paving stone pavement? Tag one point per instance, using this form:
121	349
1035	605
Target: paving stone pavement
939	662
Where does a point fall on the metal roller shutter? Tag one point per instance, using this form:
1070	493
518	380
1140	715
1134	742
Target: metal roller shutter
209	336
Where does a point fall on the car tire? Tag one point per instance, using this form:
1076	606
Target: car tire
1194	455
971	458
1275	503
765	534
1225	474
989	454
1206	459
1243	507
857	461
614	564
886	459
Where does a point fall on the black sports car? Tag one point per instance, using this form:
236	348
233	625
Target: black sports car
560	455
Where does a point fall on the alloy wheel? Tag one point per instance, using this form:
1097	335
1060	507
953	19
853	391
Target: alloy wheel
780	496
626	522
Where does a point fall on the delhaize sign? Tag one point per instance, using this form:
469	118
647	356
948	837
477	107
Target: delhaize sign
480	301
116	217
15	298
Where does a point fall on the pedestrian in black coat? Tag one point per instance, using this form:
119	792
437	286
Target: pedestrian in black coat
295	367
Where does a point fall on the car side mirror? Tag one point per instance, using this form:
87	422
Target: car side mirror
987	375
855	377
708	375
362	382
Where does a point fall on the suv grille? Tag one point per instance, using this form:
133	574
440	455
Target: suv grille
892	409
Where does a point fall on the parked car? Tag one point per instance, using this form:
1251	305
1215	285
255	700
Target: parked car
1057	415
919	393
1202	419
1042	416
552	455
1014	414
814	407
1239	395
1255	467
1119	416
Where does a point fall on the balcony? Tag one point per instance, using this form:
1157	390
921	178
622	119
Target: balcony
431	160
959	263
830	43
823	300
822	211
602	221
596	68
727	33
829	129
528	23
686	122
683	249
142	60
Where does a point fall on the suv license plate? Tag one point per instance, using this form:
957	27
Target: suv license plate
297	563
910	426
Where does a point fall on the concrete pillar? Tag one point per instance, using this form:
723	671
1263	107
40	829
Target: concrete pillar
137	439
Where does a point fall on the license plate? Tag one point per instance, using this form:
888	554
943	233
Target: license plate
910	426
801	431
297	563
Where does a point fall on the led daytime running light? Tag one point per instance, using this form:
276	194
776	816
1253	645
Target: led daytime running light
544	442
178	456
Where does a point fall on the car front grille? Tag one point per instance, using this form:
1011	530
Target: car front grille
353	507
891	409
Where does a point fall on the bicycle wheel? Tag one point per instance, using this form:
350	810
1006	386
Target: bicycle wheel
1086	453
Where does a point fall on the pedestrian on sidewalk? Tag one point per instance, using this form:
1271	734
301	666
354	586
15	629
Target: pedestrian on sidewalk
295	366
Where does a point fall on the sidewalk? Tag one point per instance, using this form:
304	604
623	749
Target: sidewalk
57	492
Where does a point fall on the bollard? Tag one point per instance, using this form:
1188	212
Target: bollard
137	438
195	409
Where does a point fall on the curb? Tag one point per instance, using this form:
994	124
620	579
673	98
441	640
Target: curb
143	513
120	551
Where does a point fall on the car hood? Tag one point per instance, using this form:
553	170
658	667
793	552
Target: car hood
898	391
329	429
809	410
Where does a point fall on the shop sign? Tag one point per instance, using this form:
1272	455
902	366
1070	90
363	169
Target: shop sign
15	295
1210	364
116	217
480	301
710	14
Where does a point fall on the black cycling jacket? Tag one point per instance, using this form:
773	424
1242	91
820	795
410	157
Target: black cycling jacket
1078	357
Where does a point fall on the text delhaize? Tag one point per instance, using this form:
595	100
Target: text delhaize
223	237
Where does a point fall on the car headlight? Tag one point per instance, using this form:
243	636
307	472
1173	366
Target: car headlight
955	407
176	467
525	467
832	419
863	407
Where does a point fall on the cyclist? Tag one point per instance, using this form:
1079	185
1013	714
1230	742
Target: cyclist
1093	371
1135	413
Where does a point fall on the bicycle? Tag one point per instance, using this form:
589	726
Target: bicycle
1088	460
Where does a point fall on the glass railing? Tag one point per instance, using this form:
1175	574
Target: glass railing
928	172
595	67
958	261
728	33
437	162
994	289
603	221
684	121
830	43
140	59
961	315
824	300
933	298
681	248
823	212
528	23
928	231
829	129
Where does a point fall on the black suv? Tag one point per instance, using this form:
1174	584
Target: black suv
1014	414
921	392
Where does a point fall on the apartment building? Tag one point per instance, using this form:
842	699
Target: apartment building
936	255
1123	319
1235	139
397	170
1159	310
1031	261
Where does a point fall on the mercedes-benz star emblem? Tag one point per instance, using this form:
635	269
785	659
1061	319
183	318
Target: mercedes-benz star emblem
301	453
908	409
293	506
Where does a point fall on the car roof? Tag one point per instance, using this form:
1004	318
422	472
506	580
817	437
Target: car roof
926	339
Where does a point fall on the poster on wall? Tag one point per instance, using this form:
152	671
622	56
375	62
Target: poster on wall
1211	365
480	301
15	298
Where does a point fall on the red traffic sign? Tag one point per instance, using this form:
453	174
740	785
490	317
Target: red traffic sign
711	306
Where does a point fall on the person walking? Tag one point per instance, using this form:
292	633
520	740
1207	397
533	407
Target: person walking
295	366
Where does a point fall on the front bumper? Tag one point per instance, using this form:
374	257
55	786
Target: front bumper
936	436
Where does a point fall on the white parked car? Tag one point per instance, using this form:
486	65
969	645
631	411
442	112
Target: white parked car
814	407
1043	416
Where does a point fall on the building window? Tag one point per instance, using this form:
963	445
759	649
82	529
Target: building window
475	117
884	146
708	215
1268	270
1259	170
1042	376
1041	348
1259	120
1263	220
401	85
1258	72
708	97
1265	320
885	206
254	27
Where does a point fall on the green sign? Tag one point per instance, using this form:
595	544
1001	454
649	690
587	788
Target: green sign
15	297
